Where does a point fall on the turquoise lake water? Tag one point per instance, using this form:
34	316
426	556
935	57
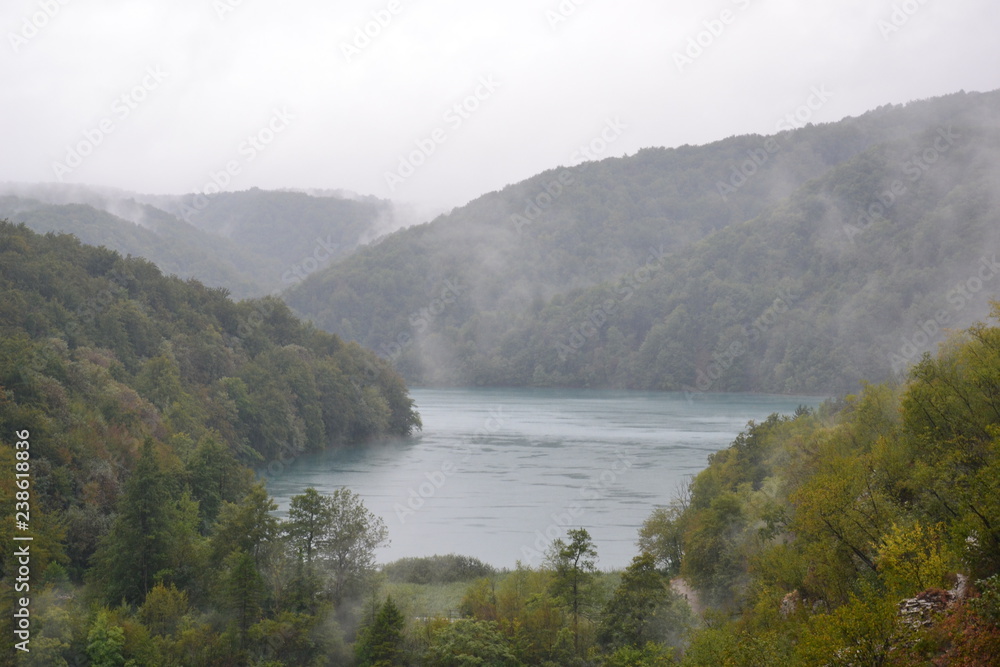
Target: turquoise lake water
498	473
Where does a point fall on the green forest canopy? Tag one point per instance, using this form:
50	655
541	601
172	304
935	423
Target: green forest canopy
154	544
835	253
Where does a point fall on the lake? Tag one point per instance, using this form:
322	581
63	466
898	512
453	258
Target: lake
498	473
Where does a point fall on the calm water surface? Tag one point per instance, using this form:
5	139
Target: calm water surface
498	473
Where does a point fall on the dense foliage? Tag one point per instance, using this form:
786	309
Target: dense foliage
838	255
568	613
865	533
833	538
437	569
145	399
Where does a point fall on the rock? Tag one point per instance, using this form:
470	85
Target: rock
919	611
790	604
961	589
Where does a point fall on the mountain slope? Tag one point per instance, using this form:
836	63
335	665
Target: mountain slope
185	357
173	245
297	231
133	406
100	354
252	243
640	269
803	298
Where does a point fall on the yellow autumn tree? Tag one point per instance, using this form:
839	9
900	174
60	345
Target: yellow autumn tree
913	558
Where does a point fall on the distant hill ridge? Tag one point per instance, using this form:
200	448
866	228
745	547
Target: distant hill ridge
252	243
858	230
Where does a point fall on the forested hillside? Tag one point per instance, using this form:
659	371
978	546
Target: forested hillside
176	247
142	401
813	296
298	231
805	262
866	533
252	243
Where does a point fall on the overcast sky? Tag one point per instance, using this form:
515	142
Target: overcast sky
160	95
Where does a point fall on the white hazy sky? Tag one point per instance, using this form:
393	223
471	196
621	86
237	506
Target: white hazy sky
224	67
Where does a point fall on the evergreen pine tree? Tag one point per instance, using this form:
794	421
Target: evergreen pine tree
381	643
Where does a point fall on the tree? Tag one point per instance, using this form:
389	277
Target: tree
216	476
470	644
650	655
248	526
339	535
865	631
53	619
662	535
105	642
244	589
912	559
139	544
159	381
381	643
712	560
349	552
630	615
309	524
292	638
574	575
163	609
